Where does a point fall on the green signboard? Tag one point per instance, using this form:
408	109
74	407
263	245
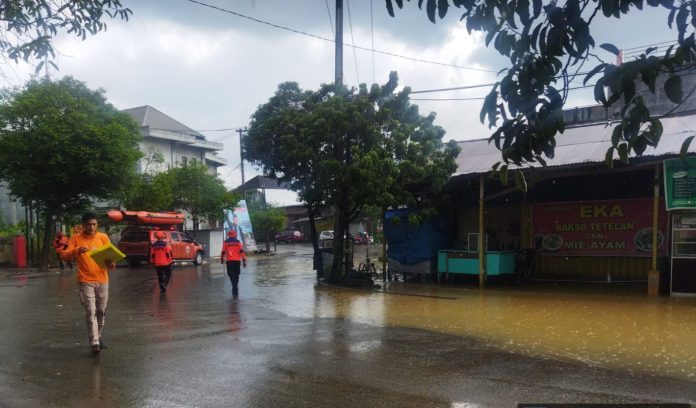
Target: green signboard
680	183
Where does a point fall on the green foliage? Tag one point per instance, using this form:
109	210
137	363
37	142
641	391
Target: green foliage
62	143
350	149
148	192
547	44
11	230
29	26
267	221
202	194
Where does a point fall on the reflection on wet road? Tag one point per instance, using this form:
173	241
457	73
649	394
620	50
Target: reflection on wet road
288	340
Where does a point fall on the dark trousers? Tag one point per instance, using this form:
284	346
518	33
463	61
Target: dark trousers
164	273
233	268
60	262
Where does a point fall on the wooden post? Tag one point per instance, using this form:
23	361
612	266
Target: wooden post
654	274
482	237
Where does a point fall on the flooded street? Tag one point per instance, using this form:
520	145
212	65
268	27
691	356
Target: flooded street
287	341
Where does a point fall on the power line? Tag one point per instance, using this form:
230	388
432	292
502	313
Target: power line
333	41
328	11
355	56
456	88
372	39
482	98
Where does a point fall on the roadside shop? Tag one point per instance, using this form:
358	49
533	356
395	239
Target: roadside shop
579	220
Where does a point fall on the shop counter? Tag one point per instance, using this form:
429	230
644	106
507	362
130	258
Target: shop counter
467	262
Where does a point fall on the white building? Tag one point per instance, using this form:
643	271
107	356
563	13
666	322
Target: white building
178	144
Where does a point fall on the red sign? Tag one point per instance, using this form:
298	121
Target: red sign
610	228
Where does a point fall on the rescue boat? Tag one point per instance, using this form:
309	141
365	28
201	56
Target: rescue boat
146	217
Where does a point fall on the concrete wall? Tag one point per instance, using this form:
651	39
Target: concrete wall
212	239
6	253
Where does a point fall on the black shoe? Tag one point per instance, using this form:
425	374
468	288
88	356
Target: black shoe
163	288
96	349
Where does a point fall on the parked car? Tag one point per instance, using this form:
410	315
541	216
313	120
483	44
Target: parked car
289	236
135	244
364	238
324	236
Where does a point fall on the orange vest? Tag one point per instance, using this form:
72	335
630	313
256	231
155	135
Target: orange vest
232	250
161	254
87	269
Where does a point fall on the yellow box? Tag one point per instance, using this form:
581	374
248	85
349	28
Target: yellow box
107	252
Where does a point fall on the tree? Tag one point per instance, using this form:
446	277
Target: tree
63	145
548	45
148	192
29	27
349	149
199	193
267	221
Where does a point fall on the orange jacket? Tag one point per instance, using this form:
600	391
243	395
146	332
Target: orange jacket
232	250
87	269
60	243
161	253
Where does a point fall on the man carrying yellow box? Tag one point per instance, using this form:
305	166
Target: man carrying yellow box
92	278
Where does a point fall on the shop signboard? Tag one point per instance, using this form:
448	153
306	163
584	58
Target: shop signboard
598	228
680	183
238	219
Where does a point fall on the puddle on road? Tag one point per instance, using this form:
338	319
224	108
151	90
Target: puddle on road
600	327
636	333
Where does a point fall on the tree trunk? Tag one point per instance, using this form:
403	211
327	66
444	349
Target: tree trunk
48	218
338	269
318	263
384	247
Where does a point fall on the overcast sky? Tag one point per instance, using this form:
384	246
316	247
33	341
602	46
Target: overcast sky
210	69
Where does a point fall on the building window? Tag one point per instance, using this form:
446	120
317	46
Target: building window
184	161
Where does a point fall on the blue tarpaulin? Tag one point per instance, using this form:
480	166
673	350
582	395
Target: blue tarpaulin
411	244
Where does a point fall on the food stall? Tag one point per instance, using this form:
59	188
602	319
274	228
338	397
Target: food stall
466	262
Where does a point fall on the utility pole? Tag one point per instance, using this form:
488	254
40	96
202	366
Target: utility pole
339	43
241	156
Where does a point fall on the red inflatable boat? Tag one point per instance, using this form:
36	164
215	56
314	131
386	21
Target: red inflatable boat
146	217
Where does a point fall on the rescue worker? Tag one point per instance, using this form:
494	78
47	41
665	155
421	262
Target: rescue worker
161	256
233	255
60	243
92	278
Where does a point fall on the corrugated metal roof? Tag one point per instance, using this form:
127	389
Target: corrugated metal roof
577	145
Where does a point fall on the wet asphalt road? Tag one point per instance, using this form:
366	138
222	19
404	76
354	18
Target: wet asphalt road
284	342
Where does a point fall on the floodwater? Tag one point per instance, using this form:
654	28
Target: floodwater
612	327
289	341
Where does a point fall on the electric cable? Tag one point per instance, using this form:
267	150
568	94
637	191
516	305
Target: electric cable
318	37
328	11
355	56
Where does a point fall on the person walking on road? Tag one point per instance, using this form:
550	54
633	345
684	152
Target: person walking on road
161	256
93	279
60	243
233	255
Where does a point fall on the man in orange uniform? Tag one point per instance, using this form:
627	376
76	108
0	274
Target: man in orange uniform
60	242
161	256
233	255
93	279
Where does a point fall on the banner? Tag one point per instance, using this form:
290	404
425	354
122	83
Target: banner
239	220
608	228
680	183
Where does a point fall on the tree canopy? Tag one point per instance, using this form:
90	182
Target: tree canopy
203	195
548	44
62	145
30	26
350	148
